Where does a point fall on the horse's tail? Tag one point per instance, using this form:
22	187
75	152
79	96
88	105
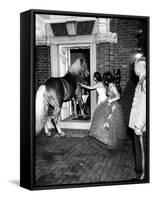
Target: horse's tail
41	108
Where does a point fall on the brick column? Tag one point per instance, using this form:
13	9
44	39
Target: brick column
42	64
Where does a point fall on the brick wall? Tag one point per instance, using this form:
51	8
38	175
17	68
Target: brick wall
42	64
103	61
120	55
109	56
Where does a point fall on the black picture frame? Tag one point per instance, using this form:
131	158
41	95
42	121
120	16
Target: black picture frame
27	98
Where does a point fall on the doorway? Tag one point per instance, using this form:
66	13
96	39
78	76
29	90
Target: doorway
57	59
67	55
83	52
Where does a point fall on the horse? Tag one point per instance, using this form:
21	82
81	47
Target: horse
54	92
82	78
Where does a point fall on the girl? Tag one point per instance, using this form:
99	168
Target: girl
99	87
108	124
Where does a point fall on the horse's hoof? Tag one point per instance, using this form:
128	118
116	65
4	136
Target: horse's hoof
84	116
57	135
62	134
48	134
75	117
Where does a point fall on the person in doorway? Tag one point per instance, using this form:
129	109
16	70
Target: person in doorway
98	86
137	121
108	122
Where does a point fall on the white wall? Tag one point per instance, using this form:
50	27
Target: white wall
9	99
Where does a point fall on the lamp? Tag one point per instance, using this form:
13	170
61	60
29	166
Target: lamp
71	27
138	55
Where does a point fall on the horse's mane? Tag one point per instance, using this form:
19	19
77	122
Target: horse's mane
71	77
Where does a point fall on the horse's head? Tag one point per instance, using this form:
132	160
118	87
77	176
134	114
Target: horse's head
76	67
84	70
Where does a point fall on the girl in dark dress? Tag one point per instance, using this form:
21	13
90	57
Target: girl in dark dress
108	122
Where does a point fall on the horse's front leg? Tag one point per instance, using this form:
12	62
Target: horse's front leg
80	102
57	127
47	127
81	109
75	107
55	120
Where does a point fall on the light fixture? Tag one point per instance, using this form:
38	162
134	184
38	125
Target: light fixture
138	55
71	28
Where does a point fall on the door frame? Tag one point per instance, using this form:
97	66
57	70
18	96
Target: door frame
75	41
62	69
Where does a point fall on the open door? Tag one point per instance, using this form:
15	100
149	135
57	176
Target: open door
64	62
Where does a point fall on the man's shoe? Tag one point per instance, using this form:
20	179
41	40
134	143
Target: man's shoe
139	177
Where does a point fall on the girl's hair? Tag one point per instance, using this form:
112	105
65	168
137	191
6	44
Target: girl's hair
108	78
98	77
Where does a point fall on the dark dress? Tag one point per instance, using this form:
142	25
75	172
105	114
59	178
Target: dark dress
108	123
